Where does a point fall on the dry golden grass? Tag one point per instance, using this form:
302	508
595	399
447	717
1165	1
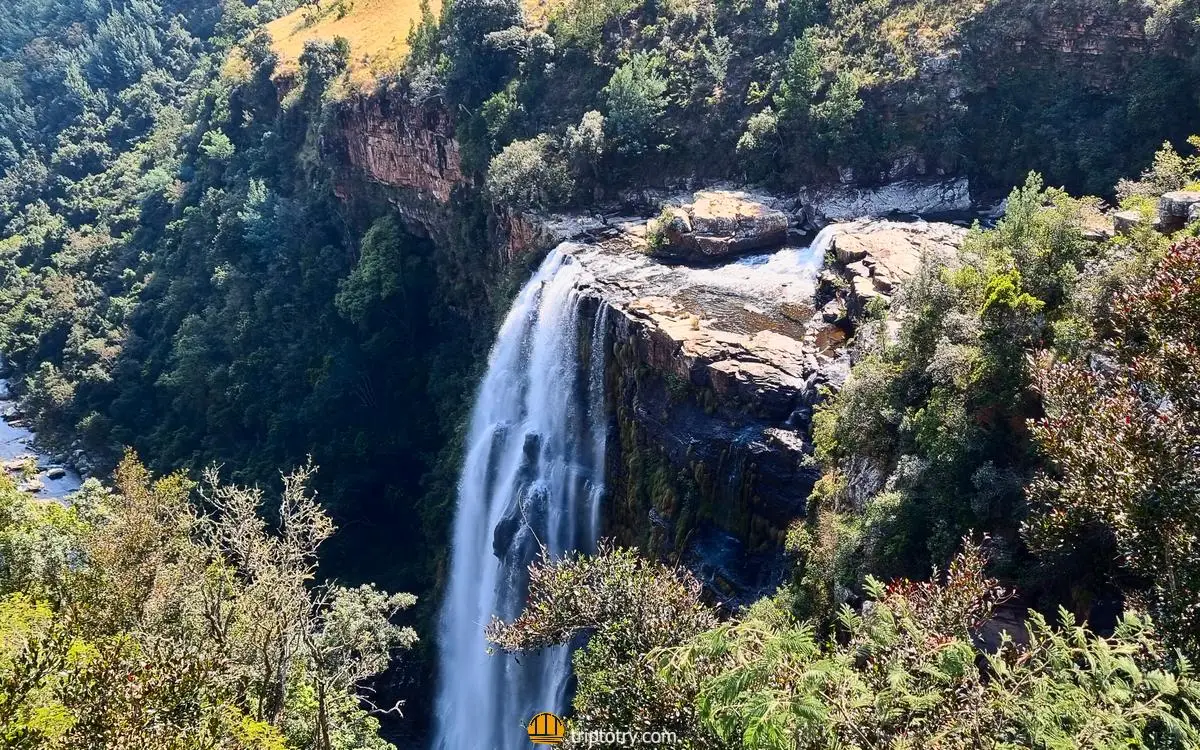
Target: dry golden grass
376	29
537	12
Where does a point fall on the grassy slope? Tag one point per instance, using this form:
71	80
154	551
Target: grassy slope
376	29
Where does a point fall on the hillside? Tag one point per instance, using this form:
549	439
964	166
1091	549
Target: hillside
377	31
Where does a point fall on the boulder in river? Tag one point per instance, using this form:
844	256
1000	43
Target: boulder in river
56	472
719	223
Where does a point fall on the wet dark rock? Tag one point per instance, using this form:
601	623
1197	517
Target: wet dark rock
738	577
502	536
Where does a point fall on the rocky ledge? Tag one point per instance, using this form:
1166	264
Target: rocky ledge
717	223
714	374
873	257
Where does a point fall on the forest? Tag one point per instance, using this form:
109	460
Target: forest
266	366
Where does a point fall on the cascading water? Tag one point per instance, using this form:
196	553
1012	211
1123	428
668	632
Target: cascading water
533	477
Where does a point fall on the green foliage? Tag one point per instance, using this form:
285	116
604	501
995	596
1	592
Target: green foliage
383	271
656	230
877	90
800	80
585	145
1169	171
184	279
145	621
216	145
929	425
581	23
321	62
905	669
807	111
1117	497
476	64
637	98
529	174
629	607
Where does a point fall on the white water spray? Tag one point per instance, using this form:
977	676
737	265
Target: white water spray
533	476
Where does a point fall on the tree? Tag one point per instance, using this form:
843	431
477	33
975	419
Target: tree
477	66
381	272
321	62
529	174
637	97
628	607
585	145
800	81
581	23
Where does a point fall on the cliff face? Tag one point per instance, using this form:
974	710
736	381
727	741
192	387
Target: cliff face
713	375
401	144
407	148
1097	40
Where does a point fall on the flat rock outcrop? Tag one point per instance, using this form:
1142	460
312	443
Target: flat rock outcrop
876	256
1176	209
719	223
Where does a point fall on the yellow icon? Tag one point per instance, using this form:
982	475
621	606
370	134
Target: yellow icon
546	729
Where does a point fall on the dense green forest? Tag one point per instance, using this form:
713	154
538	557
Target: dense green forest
179	274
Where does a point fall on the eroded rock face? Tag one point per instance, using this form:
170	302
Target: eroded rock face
904	197
876	256
719	223
716	371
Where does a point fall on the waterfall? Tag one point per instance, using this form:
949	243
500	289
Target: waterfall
820	244
533	475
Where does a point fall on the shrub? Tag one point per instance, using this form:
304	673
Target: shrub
1117	499
529	174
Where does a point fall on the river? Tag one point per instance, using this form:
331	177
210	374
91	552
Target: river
17	445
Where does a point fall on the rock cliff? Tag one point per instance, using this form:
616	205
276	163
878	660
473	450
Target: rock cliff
1098	40
408	148
713	375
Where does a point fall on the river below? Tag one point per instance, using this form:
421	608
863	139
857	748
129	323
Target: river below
18	448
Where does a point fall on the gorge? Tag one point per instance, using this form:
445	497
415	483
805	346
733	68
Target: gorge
654	347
